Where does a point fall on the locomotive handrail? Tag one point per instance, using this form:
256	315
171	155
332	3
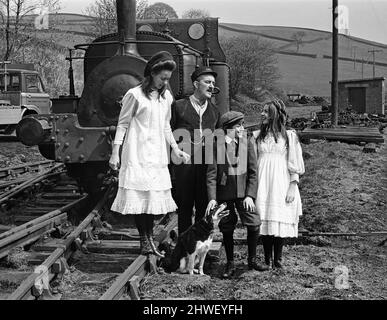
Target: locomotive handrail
79	46
108	56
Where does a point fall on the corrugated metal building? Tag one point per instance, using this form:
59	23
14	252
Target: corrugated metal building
363	95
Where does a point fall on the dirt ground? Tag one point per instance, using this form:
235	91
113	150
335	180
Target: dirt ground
13	153
342	190
310	273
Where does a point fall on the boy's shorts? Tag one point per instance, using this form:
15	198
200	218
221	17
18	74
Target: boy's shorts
250	219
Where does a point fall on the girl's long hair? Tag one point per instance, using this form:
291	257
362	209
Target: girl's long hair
146	84
277	122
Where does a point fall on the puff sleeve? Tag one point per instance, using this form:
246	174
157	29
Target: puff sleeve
295	160
167	126
128	110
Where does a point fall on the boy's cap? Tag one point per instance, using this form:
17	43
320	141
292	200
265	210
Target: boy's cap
202	70
230	117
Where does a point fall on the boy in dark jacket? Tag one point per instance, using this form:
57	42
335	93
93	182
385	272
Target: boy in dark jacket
232	178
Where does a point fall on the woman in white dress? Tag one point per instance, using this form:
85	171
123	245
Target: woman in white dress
279	165
144	183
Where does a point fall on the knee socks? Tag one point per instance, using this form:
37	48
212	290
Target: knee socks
278	245
140	220
267	242
144	223
149	220
252	236
228	242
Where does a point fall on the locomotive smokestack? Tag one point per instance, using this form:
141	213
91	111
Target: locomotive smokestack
126	23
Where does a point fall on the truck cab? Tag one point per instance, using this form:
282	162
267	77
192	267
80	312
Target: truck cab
22	93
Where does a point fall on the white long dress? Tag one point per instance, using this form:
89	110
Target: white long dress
277	167
144	183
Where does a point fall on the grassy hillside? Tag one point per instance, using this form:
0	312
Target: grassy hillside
306	71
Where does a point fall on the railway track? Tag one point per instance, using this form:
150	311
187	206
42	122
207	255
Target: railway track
29	167
35	208
93	248
11	177
34	229
36	181
129	280
36	195
93	260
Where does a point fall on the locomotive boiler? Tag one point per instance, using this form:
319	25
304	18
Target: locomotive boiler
79	131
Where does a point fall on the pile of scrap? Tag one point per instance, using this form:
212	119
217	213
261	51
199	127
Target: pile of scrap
351	117
347	117
349	134
298	123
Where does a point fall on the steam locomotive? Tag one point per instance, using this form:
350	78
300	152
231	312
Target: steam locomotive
80	130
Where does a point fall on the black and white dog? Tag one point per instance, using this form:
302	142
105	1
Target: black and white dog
193	244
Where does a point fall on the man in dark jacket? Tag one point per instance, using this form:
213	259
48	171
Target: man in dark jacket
194	119
233	178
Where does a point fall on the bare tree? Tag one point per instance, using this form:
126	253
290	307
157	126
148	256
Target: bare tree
297	38
14	17
160	10
105	14
195	14
141	6
21	40
253	65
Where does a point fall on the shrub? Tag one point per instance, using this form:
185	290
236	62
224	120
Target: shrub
253	66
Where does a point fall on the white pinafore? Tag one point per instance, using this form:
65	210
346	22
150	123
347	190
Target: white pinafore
144	183
277	166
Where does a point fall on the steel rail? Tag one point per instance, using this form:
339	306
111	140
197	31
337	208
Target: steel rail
30	235
23	168
40	219
139	266
7	195
13	182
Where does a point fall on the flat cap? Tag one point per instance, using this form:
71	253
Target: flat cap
202	70
158	57
230	117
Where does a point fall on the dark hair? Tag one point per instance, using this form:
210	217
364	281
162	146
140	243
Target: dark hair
146	84
277	122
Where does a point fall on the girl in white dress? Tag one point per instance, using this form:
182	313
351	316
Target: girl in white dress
144	183
279	165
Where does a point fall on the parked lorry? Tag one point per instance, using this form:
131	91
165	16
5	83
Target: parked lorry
22	93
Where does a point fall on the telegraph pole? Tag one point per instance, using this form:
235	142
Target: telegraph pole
5	73
335	54
354	57
373	55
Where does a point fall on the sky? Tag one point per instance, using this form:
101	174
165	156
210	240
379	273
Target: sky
366	18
